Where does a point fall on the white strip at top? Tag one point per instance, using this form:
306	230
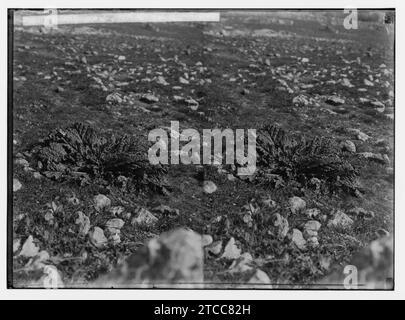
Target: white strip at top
123	17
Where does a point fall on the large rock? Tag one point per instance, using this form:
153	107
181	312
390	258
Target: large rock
176	257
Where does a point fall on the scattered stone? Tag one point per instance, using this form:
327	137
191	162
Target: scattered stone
37	262
260	277
16	245
378	105
315	183
60	89
300	100
242	264
358	134
349	146
84	223
115	238
206	240
282	226
29	249
304	60
192	103
214	248
149	98
340	220
245	92
311	229
114	225
161	80
144	218
114	98
183	81
374	266
178	98
209	187
368	83
73	200
382	233
312	213
98	238
49	216
296	204
21	162
231	251
269	202
101	202
335	101
325	262
298	239
16	185
121	58
346	83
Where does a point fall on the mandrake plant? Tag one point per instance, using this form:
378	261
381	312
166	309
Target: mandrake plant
281	158
79	152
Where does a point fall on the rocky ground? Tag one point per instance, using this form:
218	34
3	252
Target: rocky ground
248	71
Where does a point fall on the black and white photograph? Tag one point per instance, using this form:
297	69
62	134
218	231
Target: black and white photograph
198	149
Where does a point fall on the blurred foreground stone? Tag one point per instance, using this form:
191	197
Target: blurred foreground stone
374	266
174	258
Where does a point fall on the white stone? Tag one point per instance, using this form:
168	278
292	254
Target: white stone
231	250
214	248
114	225
16	185
296	204
260	277
282	224
349	146
340	220
209	187
98	238
144	217
29	249
101	202
84	223
298	239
